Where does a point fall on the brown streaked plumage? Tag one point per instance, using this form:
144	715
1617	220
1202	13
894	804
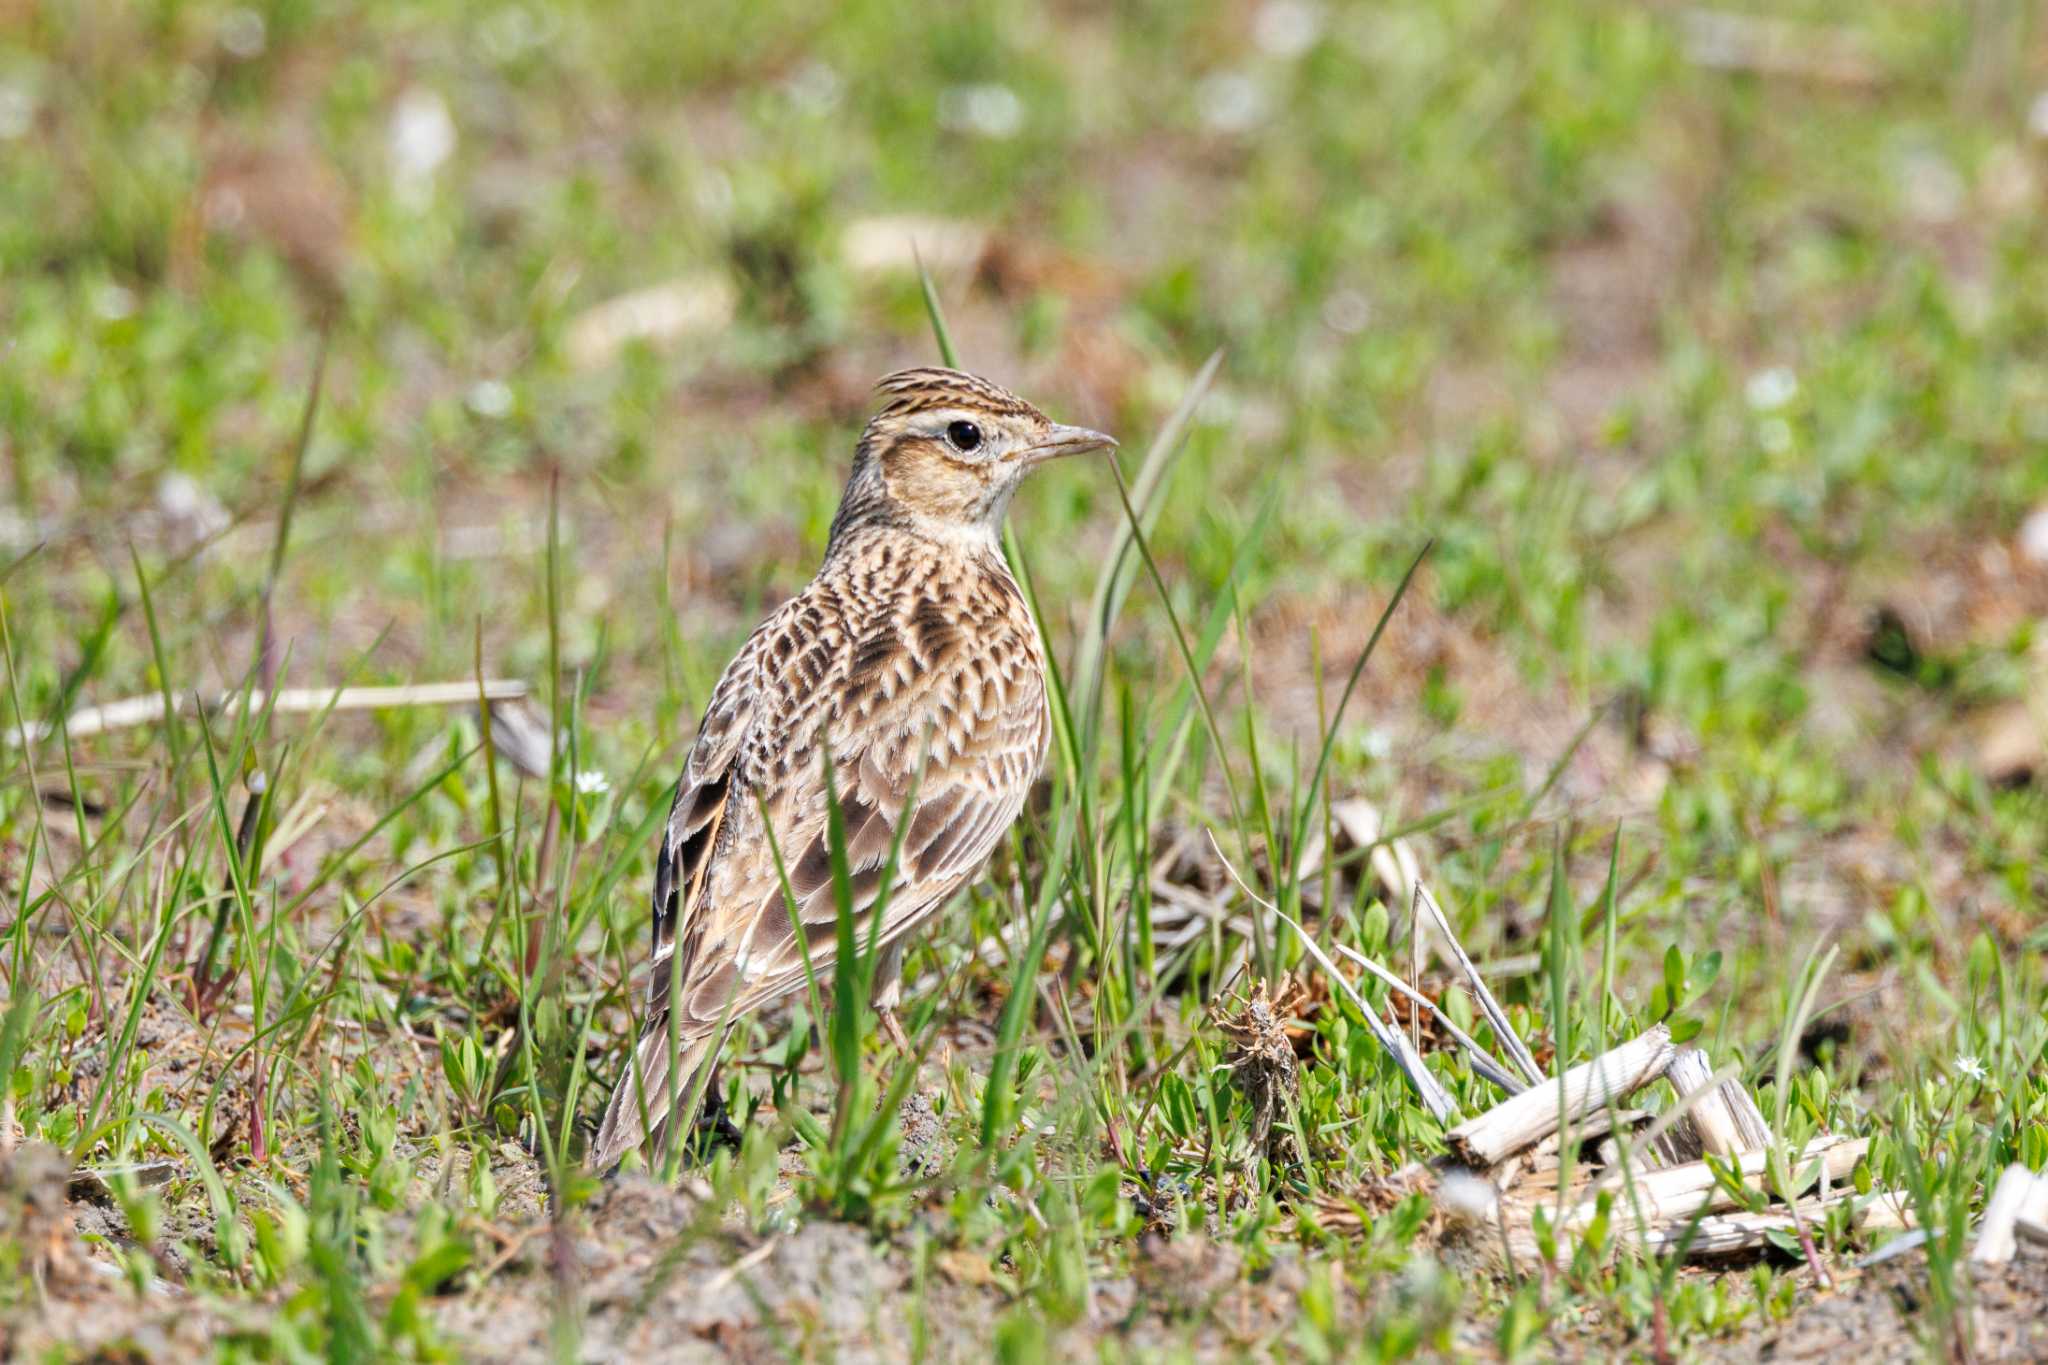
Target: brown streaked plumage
910	664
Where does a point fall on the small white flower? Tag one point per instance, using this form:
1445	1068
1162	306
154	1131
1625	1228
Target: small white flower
2034	536
17	111
1378	744
243	34
814	88
1231	102
991	111
421	136
1772	389
490	398
592	784
1931	189
1347	311
112	303
1971	1067
1287	28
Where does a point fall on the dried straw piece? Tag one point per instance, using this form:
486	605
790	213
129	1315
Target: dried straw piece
1725	1122
1528	1118
1730	1234
692	305
1678	1192
520	736
2035	1210
1724	1234
1393	860
132	711
1997	1234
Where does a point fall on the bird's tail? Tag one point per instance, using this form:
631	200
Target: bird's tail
642	1104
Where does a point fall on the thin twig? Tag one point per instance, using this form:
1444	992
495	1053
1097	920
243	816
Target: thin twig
1482	1061
1510	1041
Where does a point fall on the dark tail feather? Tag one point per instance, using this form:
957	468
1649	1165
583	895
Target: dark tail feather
645	1089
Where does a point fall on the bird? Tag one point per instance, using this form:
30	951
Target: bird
906	681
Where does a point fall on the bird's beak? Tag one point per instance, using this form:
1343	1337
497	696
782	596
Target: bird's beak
1065	440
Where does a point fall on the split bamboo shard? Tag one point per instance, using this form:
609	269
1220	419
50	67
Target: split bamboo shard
1722	1122
1536	1113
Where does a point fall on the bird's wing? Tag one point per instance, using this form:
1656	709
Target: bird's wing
940	738
703	795
927	723
641	1101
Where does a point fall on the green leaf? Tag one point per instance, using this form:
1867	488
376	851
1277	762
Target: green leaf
438	1264
1706	970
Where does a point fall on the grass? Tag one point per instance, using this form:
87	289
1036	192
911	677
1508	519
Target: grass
1716	397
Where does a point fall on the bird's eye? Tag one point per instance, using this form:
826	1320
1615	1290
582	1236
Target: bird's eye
965	436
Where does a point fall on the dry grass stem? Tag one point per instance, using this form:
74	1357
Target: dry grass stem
1483	1061
1510	1042
133	711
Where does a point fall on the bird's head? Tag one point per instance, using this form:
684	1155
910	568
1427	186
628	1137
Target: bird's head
946	451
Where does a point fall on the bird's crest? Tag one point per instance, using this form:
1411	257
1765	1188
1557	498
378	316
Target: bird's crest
922	389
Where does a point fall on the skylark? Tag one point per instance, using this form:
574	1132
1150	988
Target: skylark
912	667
